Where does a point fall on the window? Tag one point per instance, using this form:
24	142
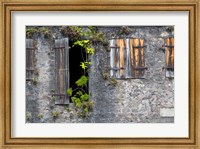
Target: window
127	59
67	69
30	55
169	56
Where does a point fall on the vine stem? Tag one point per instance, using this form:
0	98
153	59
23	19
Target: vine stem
79	89
84	60
82	55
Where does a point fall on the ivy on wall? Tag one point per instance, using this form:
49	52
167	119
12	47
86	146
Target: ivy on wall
85	38
79	95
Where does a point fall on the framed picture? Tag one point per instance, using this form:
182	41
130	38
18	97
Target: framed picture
114	74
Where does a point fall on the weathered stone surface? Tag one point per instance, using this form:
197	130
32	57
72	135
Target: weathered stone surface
130	101
167	112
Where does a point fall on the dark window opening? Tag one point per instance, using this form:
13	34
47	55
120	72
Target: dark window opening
76	55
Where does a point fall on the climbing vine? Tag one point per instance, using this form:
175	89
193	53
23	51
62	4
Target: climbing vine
79	95
90	33
85	38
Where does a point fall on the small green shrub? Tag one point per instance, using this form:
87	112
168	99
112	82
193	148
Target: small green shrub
37	30
54	98
73	32
106	76
35	81
36	72
55	114
125	30
113	82
40	116
28	116
170	29
31	31
67	109
45	31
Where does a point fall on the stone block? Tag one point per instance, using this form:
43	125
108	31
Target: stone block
167	112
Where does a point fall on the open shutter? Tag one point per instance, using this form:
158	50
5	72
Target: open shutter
30	54
113	58
169	57
117	58
127	58
62	70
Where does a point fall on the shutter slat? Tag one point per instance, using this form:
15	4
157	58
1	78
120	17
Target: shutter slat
121	44
112	57
172	54
117	62
142	58
136	53
62	70
132	58
128	70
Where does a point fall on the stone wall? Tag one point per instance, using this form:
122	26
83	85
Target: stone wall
149	100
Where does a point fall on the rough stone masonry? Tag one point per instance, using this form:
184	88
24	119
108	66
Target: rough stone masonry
148	100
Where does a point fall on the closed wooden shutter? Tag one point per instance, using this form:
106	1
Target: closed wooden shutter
127	59
117	60
122	47
169	56
62	70
30	54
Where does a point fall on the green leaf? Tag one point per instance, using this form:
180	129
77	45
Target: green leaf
82	81
90	50
75	99
82	43
83	65
86	109
69	92
88	63
78	103
85	97
80	93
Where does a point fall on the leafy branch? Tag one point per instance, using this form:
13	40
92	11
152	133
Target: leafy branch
79	95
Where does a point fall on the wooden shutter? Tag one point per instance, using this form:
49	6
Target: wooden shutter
62	70
169	56
122	46
142	57
113	58
137	57
136	54
117	58
30	54
127	58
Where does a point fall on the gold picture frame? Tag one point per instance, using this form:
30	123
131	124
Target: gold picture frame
192	6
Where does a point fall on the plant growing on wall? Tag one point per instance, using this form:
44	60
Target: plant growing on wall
37	30
90	33
79	95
